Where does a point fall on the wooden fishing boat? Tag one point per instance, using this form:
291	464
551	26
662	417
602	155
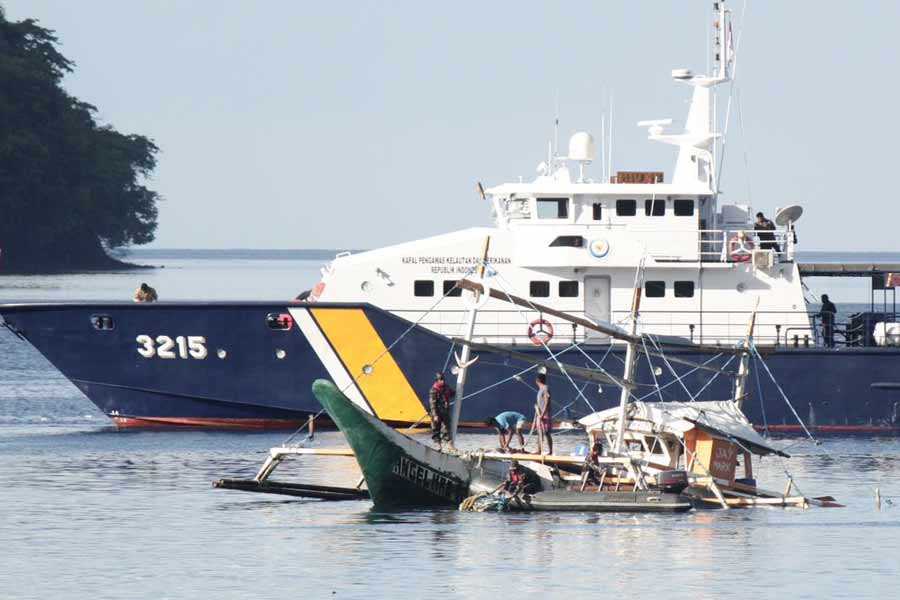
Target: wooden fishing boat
658	456
401	472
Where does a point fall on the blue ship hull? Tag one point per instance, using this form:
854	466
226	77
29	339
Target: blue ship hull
253	376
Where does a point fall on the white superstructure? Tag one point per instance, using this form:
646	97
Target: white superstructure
574	242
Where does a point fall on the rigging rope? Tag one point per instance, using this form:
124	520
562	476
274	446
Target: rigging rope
553	356
387	350
783	395
762	403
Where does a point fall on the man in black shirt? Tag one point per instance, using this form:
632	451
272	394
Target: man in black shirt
827	314
763	228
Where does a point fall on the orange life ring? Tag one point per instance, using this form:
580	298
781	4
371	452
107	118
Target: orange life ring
316	292
740	249
540	332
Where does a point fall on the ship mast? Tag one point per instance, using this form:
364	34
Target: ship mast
695	165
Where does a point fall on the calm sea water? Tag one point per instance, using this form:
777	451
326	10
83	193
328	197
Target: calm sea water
90	512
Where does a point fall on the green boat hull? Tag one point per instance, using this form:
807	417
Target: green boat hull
400	472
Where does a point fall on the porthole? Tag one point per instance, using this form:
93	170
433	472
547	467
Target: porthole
279	321
102	322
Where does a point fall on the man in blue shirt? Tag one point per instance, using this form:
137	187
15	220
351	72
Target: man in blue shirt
505	423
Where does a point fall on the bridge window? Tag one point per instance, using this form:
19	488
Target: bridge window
553	208
450	289
598	211
684	289
683	208
655	207
423	287
539	289
655	289
568	241
626	208
568	289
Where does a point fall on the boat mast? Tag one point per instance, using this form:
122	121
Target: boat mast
630	357
462	360
740	382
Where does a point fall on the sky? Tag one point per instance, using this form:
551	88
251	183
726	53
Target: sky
286	124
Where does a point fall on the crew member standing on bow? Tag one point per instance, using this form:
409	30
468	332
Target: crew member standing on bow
543	408
439	402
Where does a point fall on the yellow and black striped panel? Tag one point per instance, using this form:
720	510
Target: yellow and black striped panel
356	342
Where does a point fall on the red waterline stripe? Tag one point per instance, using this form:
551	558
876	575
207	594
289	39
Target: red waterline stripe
221	423
835	428
238	423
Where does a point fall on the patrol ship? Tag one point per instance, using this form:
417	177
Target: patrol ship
570	238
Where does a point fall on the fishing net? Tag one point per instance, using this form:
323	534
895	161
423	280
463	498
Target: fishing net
485	502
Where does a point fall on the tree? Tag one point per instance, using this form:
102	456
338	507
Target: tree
69	187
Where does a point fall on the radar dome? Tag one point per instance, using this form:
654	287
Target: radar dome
581	147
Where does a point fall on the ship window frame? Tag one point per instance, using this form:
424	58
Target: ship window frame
681	293
423	286
652	204
597	208
562	208
537	287
679	204
451	290
622	211
568	241
658	288
564	285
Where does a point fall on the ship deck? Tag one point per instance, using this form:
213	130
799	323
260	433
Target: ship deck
847	269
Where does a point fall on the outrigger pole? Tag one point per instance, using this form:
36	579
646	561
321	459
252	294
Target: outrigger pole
462	360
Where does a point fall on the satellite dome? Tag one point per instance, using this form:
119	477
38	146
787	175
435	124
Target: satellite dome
581	147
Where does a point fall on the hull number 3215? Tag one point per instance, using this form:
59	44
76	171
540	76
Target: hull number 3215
192	346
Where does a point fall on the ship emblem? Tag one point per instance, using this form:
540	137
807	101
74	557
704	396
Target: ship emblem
599	248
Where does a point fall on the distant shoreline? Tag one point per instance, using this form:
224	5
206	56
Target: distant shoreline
234	253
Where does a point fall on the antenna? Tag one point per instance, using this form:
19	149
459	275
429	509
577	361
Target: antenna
550	166
556	124
609	151
603	175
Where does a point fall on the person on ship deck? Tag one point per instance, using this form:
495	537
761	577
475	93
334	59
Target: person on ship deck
764	228
145	293
827	314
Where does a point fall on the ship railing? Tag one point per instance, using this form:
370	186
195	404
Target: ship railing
714	244
795	329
